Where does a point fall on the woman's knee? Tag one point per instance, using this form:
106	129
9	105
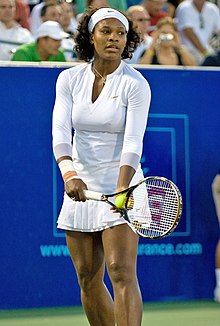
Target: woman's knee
90	277
120	272
85	277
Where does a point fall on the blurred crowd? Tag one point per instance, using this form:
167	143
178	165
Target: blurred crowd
173	32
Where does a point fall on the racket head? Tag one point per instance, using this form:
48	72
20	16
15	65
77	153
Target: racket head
154	207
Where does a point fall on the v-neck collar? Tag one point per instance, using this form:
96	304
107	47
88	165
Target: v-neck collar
105	87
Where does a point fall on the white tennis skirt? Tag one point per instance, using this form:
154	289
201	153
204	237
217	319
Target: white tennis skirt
90	216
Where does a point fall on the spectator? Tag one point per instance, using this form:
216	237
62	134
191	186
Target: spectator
141	20
22	14
67	22
197	20
216	197
155	10
11	34
67	18
94	4
50	12
81	5
63	14
35	17
212	60
171	6
166	48
47	45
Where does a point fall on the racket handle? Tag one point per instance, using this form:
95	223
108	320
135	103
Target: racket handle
93	195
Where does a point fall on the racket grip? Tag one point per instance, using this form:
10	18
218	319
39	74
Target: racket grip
93	195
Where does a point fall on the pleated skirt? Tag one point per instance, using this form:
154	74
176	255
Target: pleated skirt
93	216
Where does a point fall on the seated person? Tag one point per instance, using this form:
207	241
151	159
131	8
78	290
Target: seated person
35	16
47	45
171	6
11	33
141	20
197	21
81	5
67	23
50	12
67	18
94	4
156	12
166	48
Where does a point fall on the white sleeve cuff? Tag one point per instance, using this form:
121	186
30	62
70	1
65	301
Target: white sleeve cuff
130	159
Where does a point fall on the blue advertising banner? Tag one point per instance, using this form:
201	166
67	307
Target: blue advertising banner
181	143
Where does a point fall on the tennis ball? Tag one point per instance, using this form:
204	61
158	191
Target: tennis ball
120	200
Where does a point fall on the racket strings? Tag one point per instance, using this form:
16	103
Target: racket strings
160	198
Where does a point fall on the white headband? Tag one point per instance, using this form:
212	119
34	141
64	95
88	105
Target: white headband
104	13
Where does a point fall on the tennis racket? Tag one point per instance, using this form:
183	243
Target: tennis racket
152	207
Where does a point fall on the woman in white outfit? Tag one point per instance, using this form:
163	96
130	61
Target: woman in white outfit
99	120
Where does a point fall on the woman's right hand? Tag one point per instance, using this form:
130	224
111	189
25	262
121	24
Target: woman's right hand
75	189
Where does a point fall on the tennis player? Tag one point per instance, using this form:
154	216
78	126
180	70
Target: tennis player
216	197
106	102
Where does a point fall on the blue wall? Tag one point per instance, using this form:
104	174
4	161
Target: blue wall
181	143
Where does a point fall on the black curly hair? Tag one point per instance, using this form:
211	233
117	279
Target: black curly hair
85	50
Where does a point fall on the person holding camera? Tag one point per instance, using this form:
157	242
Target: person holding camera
166	48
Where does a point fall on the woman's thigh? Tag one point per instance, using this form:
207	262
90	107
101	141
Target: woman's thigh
86	251
120	247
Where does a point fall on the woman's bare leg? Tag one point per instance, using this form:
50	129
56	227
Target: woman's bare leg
86	251
120	248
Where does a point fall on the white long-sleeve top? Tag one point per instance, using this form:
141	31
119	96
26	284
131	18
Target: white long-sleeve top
99	136
109	130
